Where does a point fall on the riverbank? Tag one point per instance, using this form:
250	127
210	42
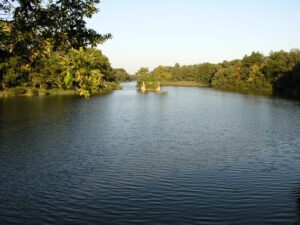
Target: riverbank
183	84
243	90
267	92
227	89
30	92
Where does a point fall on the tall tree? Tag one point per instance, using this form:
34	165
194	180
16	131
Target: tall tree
30	30
38	27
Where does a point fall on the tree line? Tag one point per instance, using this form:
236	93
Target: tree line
277	73
122	75
46	44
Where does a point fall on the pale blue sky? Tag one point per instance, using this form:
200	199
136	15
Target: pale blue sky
162	32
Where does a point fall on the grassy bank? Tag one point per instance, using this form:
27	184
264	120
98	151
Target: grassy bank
265	91
246	91
183	84
110	86
25	91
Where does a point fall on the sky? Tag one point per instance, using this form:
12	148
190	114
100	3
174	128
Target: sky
149	33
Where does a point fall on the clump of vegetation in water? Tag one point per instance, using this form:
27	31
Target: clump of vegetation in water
145	77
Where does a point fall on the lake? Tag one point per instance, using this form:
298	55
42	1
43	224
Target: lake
183	156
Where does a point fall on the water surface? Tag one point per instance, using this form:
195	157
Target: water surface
184	156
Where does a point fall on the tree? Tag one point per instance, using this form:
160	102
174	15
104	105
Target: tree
161	74
33	28
33	31
121	74
144	71
289	84
86	70
205	73
278	64
255	58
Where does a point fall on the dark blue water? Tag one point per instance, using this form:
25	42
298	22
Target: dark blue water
184	156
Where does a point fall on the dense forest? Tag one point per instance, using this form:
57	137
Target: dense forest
45	45
278	73
122	75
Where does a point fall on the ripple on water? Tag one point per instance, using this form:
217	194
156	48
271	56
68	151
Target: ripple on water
191	156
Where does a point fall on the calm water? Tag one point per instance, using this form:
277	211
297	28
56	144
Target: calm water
185	156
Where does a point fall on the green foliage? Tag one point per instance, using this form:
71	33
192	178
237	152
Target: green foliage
18	91
121	75
205	72
43	44
278	72
161	74
79	72
27	91
87	71
32	92
149	79
280	63
13	72
133	77
143	75
144	71
48	72
255	58
35	28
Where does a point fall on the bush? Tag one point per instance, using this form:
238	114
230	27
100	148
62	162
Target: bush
32	92
17	91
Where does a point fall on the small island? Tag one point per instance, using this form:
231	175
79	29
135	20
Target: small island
149	86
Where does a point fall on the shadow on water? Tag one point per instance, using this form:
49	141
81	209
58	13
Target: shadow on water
288	85
35	108
296	196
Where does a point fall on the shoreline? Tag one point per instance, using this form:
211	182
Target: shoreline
183	84
263	92
36	92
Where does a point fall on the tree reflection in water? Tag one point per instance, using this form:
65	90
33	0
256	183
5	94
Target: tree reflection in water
297	195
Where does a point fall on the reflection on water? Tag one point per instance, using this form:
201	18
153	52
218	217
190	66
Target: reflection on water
184	156
297	195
